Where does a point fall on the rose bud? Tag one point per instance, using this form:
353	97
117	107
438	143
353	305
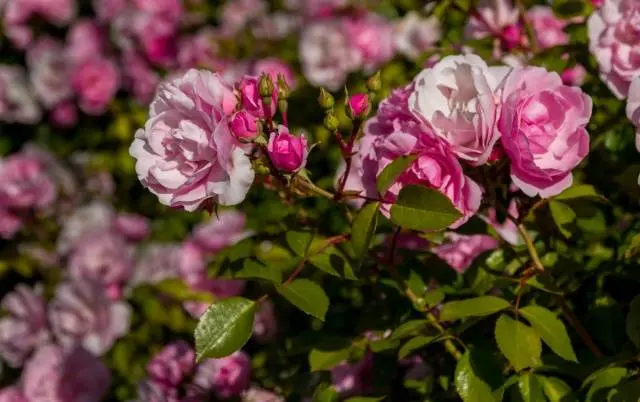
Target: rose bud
287	152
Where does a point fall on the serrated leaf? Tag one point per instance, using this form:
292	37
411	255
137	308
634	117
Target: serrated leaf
224	328
422	208
327	359
633	322
469	384
180	291
308	296
604	380
554	388
530	388
563	216
254	269
392	171
299	242
518	342
363	229
479	306
414	344
552	331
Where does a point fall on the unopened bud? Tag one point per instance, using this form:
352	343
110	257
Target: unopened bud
265	87
325	99
331	122
283	106
283	87
374	83
358	106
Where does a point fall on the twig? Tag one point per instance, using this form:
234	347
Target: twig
348	156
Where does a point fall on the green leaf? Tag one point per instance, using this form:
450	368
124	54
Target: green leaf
603	381
308	296
433	297
327	359
414	344
498	394
325	393
554	388
518	342
530	388
408	328
254	269
363	229
563	216
224	328
479	306
422	208
580	191
469	384
333	262
633	321
299	242
180	291
552	331
633	250
570	8
392	171
365	399
625	392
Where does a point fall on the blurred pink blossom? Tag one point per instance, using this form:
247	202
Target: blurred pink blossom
633	108
226	377
414	35
17	102
371	40
92	217
460	250
155	263
133	227
237	13
265	324
548	28
12	394
255	394
84	41
222	230
64	115
96	82
168	368
49	71
350	379
273	67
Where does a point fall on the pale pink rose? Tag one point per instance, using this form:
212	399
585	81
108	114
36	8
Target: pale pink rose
492	17
85	40
287	152
25	184
255	394
156	263
139	77
93	217
168	368
12	394
64	115
265	324
455	98
107	10
186	153
415	35
81	314
227	377
237	13
24	328
351	379
460	250
222	230
613	40
543	130
96	82
574	76
325	55
249	89
371	40
55	374
548	28
103	257
17	100
133	227
274	67
633	108
49	71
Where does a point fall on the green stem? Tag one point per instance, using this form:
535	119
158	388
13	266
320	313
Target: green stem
312	188
531	248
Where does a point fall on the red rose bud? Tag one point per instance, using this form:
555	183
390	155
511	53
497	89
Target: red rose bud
287	152
511	36
244	126
358	106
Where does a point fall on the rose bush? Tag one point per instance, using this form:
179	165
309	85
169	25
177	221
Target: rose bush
305	200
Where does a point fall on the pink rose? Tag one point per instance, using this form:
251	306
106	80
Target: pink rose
156	263
244	126
543	130
84	41
12	394
548	28
574	76
251	99
186	153
168	368
81	314
371	40
55	374
221	231
48	71
633	108
103	257
325	55
24	328
415	35
133	227
613	40
96	82
455	98
64	115
491	18
351	379
157	35
460	250
107	10
226	377
287	152
274	67
17	101
265	325
358	106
